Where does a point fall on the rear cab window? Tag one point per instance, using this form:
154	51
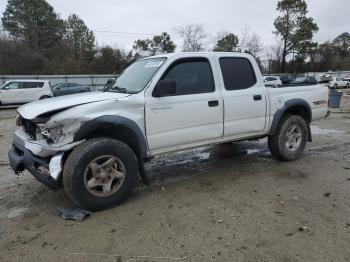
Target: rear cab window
237	72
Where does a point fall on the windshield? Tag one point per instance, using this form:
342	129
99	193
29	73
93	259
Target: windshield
300	79
57	85
136	77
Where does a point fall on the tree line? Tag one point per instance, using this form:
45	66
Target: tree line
35	40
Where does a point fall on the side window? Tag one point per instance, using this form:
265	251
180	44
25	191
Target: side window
33	84
14	85
237	72
192	76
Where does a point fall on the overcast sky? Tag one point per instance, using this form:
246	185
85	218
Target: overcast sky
138	18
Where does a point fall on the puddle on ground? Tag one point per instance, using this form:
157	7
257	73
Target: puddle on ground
253	151
315	130
204	157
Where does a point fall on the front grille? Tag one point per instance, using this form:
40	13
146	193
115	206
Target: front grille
29	127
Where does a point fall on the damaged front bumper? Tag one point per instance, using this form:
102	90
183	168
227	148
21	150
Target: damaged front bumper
44	163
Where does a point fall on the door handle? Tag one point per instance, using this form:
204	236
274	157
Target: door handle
257	97
213	103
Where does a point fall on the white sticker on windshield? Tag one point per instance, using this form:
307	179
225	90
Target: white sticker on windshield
154	64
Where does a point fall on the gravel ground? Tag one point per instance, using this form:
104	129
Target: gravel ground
222	203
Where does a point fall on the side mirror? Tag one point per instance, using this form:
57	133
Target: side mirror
166	87
110	81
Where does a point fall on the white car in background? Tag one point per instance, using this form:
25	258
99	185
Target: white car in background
24	91
337	82
272	81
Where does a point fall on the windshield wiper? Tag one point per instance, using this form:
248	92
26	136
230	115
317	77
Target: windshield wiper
118	89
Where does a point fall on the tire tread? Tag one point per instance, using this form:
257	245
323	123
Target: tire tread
77	154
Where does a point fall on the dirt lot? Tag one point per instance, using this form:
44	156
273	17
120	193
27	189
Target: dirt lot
222	203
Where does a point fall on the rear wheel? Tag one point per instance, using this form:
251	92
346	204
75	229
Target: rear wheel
100	173
289	140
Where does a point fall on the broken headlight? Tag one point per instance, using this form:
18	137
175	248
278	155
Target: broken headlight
53	134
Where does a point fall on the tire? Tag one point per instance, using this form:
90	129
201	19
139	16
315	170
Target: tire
77	170
278	143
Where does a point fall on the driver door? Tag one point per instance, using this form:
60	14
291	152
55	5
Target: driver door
193	115
12	93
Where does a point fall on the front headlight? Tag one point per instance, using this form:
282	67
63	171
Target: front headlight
53	134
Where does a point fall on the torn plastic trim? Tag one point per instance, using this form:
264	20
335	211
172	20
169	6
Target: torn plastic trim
55	166
39	149
42	151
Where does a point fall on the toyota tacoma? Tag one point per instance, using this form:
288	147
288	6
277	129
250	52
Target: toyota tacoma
95	144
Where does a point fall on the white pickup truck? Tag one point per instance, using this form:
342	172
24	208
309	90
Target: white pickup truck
96	144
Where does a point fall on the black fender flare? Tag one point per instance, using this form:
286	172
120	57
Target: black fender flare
139	144
282	111
116	122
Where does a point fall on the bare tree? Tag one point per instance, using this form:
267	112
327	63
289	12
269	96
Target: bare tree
250	43
194	37
274	58
254	45
244	38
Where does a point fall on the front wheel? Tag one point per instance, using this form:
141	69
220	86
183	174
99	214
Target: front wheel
100	173
289	140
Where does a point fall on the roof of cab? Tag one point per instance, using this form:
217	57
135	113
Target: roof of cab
186	54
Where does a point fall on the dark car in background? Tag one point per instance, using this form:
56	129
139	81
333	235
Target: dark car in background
62	89
304	80
286	79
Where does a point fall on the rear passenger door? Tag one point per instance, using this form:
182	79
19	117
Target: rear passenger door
244	97
193	115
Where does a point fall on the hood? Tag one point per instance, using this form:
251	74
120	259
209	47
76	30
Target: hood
34	109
